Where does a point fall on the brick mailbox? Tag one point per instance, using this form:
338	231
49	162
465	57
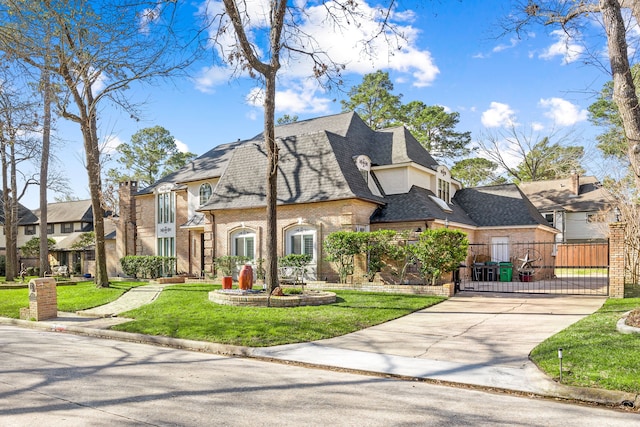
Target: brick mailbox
43	300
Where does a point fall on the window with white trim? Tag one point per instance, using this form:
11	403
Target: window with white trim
244	243
166	208
444	190
302	240
205	193
166	246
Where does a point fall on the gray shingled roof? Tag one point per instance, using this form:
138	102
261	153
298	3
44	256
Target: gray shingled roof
312	168
498	205
73	211
557	195
417	205
384	147
211	164
25	216
315	162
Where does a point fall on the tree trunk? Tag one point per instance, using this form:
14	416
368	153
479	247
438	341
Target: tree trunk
44	173
624	93
10	261
89	133
271	147
12	248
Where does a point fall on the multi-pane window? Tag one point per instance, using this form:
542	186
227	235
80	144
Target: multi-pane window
50	229
301	241
444	190
166	246
67	227
244	244
302	244
166	208
205	193
30	230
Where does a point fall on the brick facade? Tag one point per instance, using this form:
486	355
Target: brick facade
616	260
324	217
43	300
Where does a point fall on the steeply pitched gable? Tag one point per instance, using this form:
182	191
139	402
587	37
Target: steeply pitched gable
312	168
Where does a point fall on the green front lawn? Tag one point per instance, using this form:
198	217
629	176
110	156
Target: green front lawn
184	311
71	298
595	354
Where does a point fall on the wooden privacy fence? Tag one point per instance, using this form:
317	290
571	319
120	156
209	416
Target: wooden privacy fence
582	255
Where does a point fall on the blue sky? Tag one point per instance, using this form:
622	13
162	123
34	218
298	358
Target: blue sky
453	58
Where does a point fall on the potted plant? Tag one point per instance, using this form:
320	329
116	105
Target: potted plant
227	265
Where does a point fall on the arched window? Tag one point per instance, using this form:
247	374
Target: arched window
243	243
302	240
205	193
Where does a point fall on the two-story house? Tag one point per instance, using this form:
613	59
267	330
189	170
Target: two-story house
579	207
334	173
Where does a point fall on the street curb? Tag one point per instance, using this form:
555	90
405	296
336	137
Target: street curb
548	387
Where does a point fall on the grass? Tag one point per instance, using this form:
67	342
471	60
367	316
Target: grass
71	298
595	354
184	311
572	272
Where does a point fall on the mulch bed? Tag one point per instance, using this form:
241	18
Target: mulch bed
634	319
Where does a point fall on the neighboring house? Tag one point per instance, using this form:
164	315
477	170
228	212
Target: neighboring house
577	206
334	173
66	223
25	218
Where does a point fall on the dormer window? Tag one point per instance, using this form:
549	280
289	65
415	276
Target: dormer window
205	193
444	190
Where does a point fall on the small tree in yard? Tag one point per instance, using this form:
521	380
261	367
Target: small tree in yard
440	251
32	247
341	247
400	255
376	247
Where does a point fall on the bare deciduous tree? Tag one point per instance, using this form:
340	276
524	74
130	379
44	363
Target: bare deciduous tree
528	156
262	59
96	50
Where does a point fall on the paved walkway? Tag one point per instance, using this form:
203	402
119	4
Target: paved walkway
477	339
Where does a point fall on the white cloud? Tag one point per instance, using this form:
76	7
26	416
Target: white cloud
209	77
295	100
513	42
341	38
566	47
109	144
498	115
537	126
181	146
148	17
563	112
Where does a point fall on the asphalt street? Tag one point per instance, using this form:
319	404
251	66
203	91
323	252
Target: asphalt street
52	378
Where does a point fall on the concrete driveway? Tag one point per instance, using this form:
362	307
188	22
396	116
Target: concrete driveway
487	329
478	339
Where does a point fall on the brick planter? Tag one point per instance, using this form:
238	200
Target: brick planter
261	299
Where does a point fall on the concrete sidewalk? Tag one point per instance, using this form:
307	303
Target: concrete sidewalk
483	340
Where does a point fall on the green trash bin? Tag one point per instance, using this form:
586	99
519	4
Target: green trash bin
506	271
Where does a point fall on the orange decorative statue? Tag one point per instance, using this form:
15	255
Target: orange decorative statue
245	278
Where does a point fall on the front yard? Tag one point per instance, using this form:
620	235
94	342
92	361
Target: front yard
595	354
71	298
184	311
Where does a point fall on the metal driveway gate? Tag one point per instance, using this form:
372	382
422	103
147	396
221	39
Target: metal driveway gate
537	267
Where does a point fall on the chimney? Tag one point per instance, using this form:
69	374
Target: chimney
575	182
126	225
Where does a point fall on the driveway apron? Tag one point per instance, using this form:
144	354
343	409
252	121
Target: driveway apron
485	329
